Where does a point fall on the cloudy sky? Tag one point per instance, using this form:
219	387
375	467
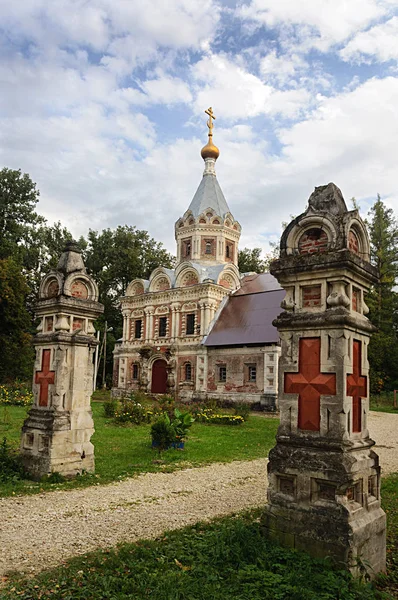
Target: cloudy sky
102	103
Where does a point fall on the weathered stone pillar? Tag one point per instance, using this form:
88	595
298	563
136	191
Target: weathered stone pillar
324	476
56	434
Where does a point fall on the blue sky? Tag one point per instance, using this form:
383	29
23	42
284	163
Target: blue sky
102	103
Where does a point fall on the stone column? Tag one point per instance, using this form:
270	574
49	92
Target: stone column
202	317
324	476
207	317
126	322
149	310
56	434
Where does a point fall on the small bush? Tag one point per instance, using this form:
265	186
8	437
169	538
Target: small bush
16	394
11	468
110	407
163	433
133	412
54	477
242	409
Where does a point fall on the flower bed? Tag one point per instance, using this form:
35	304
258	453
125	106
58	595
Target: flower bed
216	419
16	394
133	412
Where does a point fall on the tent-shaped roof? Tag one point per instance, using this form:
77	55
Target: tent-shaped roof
209	195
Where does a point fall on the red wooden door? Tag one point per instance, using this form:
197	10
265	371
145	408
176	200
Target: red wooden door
159	377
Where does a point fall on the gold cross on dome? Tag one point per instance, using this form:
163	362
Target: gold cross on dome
209	112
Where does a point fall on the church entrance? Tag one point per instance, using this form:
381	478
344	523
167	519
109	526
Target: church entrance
159	377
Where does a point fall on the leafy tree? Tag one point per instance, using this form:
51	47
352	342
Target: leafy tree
16	354
250	260
18	219
383	300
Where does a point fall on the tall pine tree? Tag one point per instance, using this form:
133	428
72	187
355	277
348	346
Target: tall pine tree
383	299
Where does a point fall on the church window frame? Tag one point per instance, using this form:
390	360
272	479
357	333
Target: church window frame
209	247
137	329
190	324
135	370
188	372
162	326
222	373
252	373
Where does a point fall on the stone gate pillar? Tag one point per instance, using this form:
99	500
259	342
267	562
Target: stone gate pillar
324	476
56	434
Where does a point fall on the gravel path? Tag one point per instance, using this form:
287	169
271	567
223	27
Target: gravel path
43	530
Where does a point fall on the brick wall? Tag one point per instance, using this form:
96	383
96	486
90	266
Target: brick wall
313	240
311	296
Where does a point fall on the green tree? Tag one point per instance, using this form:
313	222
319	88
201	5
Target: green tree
383	300
251	260
18	219
16	354
115	257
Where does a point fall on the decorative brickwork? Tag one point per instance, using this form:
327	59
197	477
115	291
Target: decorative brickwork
353	243
356	294
79	290
356	386
309	383
313	240
44	378
311	296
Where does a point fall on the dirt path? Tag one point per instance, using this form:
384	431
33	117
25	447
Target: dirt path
40	531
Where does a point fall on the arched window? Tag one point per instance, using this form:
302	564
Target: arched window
209	247
227	251
188	371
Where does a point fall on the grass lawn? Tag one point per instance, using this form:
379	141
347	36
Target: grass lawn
228	559
123	451
383	402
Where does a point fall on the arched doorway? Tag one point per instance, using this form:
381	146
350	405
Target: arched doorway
159	377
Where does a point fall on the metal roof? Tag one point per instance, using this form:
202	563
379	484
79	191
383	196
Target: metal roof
247	316
209	195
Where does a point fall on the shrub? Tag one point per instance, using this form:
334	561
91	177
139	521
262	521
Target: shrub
133	412
167	431
11	468
167	405
16	394
163	433
110	407
242	409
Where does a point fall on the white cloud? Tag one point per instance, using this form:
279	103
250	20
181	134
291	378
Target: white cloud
283	68
167	90
241	94
380	43
95	23
323	22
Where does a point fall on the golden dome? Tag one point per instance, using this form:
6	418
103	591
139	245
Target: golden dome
210	150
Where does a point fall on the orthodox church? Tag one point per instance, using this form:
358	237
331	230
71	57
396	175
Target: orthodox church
202	329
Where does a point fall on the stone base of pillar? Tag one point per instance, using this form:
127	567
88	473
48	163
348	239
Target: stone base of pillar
268	402
329	509
50	445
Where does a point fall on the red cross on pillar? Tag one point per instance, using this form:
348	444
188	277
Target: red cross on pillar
44	377
309	383
356	386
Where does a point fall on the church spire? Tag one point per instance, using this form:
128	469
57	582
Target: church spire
210	150
208	234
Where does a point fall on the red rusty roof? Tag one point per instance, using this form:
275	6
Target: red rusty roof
247	315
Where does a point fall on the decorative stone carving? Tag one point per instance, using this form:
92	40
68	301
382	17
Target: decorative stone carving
324	476
56	434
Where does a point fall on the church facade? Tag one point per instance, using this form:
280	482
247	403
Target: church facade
167	320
